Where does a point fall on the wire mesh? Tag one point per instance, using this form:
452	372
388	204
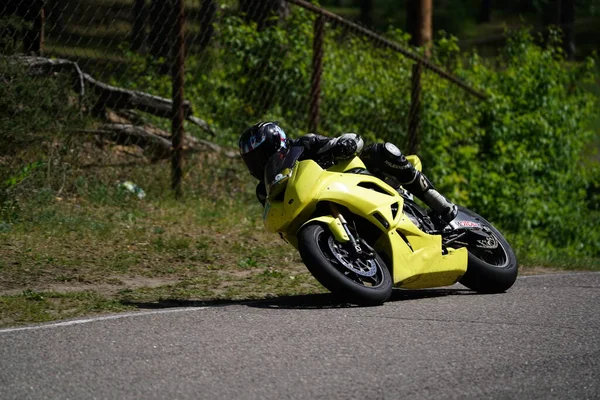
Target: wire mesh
76	98
90	83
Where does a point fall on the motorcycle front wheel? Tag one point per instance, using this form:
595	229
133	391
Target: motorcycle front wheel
360	280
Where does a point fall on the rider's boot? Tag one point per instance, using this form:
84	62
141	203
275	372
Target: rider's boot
387	158
423	189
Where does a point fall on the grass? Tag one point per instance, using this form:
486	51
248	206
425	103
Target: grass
31	306
98	249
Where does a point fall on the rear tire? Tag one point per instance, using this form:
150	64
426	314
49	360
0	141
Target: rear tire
364	282
490	270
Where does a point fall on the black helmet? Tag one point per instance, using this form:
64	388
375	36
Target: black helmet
258	143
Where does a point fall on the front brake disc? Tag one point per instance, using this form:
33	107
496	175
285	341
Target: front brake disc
364	267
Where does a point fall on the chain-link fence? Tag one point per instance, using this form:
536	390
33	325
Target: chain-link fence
97	83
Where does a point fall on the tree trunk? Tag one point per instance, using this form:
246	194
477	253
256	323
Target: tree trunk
419	14
418	22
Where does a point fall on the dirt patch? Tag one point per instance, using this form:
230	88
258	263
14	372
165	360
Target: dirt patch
106	289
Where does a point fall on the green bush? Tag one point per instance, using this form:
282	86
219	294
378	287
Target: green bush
33	106
518	158
35	150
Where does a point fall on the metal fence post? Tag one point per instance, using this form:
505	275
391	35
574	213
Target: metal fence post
414	114
419	23
317	71
177	131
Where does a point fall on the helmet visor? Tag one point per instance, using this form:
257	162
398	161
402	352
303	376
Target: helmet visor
252	142
257	159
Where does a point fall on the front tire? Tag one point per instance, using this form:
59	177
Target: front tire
489	270
359	281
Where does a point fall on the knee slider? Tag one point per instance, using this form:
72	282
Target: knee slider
393	157
395	164
391	150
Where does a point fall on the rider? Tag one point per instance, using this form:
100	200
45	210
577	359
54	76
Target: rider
259	142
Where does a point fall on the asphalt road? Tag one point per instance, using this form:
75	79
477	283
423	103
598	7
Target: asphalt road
540	340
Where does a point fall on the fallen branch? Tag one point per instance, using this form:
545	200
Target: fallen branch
131	134
110	96
201	123
151	139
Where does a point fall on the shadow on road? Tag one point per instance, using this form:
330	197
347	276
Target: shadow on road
307	301
325	301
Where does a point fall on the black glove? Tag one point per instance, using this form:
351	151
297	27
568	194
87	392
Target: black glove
345	147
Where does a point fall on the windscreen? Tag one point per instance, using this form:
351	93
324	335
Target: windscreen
279	166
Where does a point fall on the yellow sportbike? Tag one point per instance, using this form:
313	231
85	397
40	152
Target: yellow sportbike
359	237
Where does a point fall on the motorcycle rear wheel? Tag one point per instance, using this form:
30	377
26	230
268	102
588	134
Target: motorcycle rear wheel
364	281
490	270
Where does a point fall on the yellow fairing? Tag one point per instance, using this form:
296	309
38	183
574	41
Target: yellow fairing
415	161
335	226
416	257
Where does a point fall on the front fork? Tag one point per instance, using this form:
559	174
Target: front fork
357	245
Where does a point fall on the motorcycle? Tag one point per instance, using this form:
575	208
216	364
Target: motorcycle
360	237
